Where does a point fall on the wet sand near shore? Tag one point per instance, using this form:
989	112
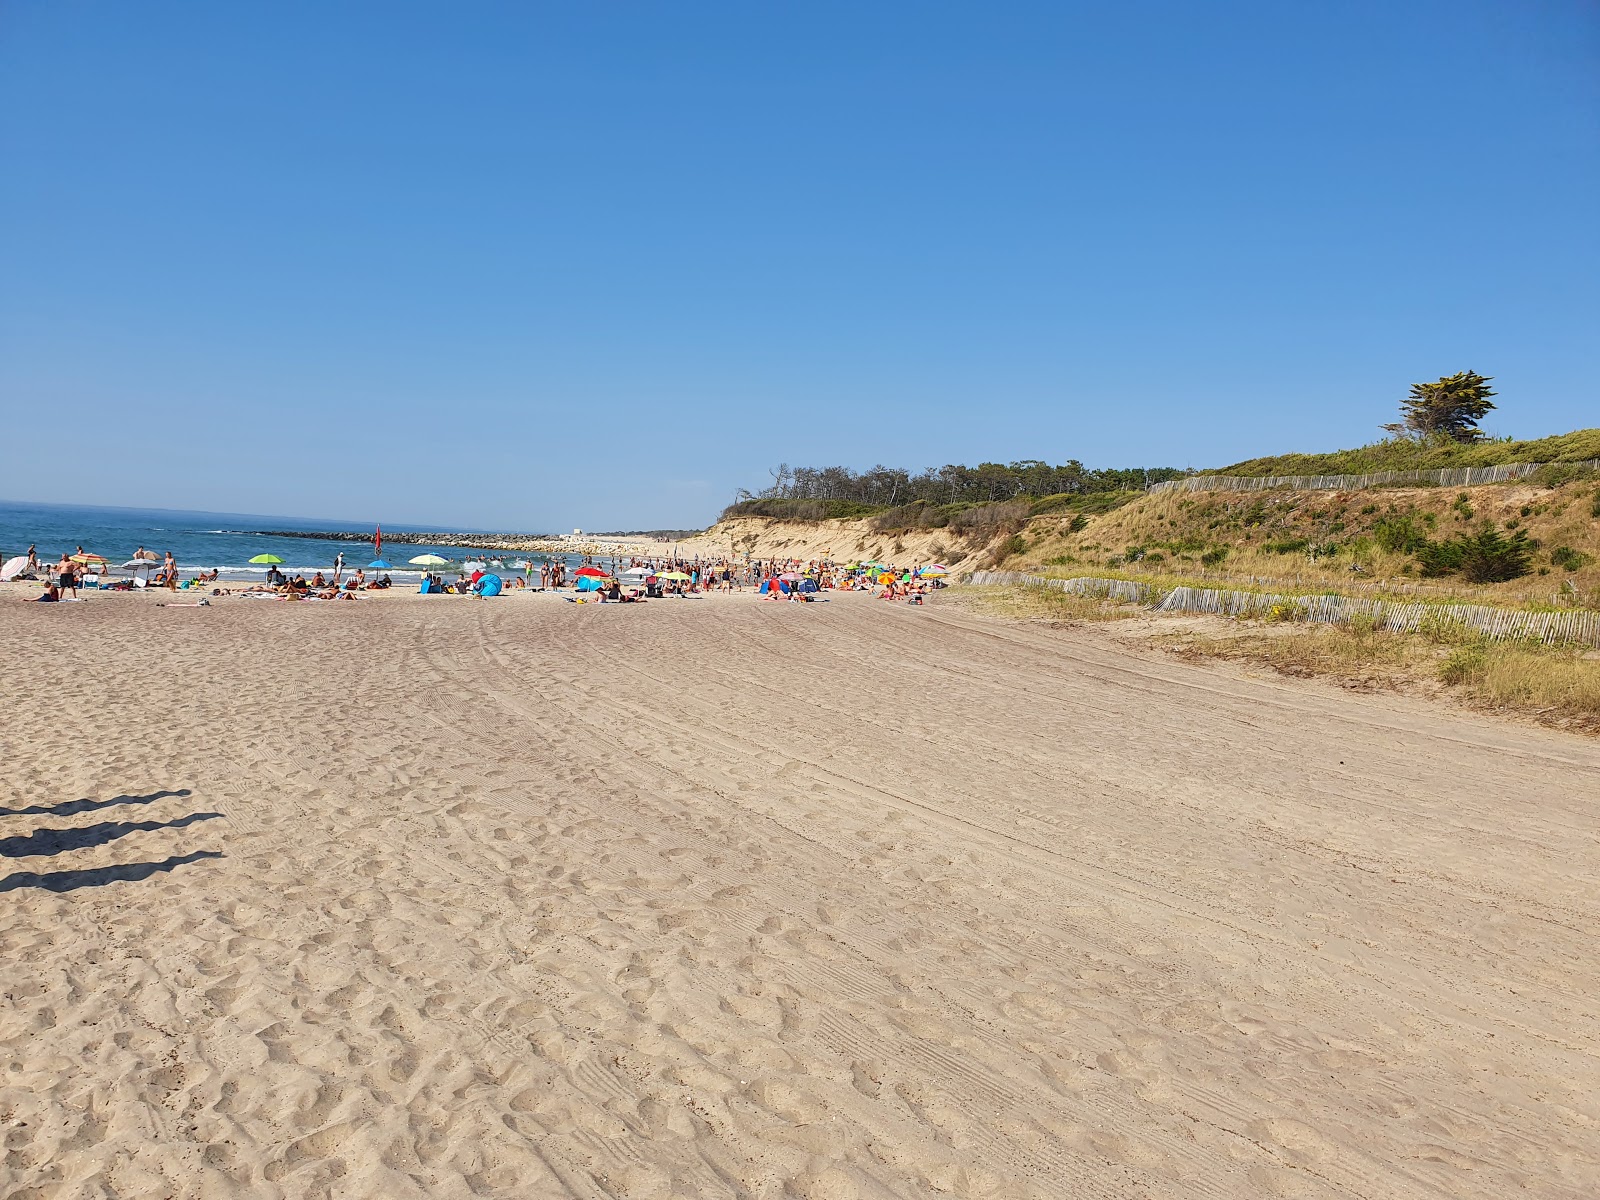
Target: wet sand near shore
427	896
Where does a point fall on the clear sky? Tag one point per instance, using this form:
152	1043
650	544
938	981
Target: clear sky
542	265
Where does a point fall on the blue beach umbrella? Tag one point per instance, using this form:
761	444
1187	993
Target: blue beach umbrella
379	564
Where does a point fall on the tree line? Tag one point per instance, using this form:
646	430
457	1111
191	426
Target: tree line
985	483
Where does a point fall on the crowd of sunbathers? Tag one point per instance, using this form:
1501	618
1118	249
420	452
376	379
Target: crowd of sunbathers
318	587
627	581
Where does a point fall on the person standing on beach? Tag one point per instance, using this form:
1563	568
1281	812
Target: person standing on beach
33	559
338	567
68	572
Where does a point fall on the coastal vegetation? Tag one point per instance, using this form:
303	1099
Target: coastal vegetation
1518	542
1424	454
840	493
1554	684
1448	409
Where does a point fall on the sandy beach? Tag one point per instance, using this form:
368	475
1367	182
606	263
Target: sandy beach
427	896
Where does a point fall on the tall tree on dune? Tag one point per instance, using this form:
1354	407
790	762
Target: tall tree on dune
1450	408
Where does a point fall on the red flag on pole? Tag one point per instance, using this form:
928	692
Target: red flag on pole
377	543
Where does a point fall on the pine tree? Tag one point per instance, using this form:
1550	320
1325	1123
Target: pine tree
1450	408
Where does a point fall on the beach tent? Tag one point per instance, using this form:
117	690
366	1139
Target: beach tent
488	585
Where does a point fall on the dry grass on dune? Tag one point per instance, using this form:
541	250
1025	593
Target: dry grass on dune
1324	650
1559	685
1555	684
1267	539
1034	602
1539	681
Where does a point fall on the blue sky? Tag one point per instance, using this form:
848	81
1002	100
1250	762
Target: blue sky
547	265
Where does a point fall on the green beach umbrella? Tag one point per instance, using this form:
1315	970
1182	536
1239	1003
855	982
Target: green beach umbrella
266	558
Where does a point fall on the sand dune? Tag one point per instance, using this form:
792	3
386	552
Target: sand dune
432	897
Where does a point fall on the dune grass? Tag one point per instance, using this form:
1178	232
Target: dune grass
1528	680
1369	544
1555	684
1401	454
1031	601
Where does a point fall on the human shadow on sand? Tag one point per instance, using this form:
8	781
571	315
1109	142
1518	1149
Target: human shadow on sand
68	808
59	841
68	881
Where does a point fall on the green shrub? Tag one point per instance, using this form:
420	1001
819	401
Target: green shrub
1010	548
1214	556
1082	502
1491	557
1398	534
1569	559
1466	664
1439	558
1556	474
1405	454
780	509
919	514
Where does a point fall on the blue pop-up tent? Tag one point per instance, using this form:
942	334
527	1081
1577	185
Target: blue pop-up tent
488	585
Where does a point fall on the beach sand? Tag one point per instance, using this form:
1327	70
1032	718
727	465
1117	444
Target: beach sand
436	897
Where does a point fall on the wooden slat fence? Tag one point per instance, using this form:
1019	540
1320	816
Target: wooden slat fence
1564	626
1445	477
